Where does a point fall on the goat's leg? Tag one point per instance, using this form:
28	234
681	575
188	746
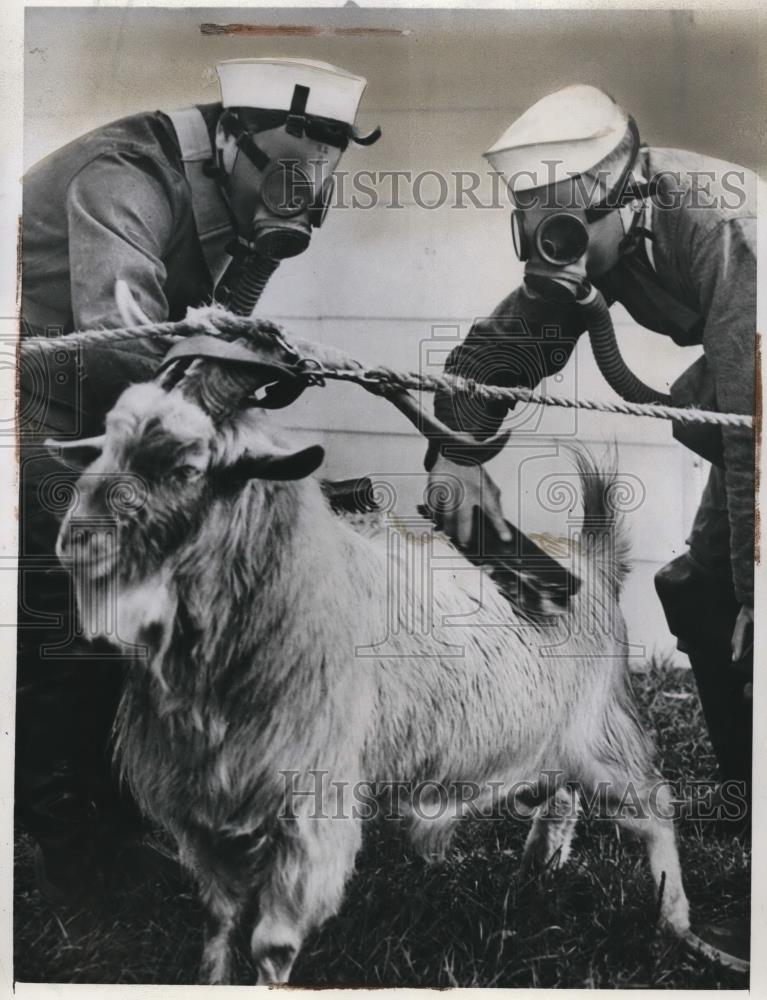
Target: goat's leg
550	838
651	820
221	866
620	773
303	888
222	915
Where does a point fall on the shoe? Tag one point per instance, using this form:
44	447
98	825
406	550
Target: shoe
727	942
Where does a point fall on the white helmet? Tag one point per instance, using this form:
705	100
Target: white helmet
292	119
563	134
271	84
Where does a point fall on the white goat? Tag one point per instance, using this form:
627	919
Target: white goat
259	612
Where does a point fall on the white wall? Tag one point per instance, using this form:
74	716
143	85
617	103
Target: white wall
395	285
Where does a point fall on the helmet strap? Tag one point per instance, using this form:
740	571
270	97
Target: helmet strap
624	190
295	123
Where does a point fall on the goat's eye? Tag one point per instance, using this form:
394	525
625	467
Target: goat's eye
186	473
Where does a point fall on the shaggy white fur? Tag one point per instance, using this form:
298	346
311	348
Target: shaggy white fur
295	658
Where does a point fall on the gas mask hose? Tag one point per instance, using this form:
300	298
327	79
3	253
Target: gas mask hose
616	372
244	281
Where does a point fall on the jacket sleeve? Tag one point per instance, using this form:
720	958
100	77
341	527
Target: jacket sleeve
524	340
724	270
120	216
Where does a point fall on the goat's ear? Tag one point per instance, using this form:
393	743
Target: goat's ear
276	464
130	311
77	455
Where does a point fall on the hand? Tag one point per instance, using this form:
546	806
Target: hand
742	634
453	493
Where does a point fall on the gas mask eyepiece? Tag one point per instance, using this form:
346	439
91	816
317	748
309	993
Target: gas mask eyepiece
560	238
283	220
554	254
286	190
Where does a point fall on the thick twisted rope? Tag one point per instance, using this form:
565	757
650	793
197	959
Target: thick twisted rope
110	338
376	379
518	394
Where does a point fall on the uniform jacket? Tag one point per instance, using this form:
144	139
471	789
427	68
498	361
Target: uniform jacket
112	204
704	255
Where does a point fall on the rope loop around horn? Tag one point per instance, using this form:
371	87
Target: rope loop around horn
231	374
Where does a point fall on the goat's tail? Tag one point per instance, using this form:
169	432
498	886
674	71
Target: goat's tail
605	496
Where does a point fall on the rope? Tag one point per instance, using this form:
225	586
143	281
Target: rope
457	384
128	334
376	379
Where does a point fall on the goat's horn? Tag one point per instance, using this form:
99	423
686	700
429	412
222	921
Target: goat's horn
223	376
221	389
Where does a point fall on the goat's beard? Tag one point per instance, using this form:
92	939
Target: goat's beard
97	590
100	560
128	611
121	578
115	565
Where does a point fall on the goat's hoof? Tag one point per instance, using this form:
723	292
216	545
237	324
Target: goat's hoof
675	916
727	942
214	974
206	979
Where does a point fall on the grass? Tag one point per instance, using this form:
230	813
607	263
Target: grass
471	920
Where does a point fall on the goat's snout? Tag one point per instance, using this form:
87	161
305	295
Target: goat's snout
99	506
89	545
79	540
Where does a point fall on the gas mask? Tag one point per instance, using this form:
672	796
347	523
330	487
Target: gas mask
562	247
275	172
277	196
280	183
555	249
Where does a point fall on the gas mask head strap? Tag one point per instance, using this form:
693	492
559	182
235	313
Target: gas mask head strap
245	141
626	189
244	123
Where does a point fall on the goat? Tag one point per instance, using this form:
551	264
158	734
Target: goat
254	613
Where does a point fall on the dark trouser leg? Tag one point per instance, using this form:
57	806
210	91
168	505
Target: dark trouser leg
701	608
726	708
698	597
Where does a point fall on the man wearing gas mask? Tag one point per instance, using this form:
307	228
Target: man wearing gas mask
185	206
599	218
